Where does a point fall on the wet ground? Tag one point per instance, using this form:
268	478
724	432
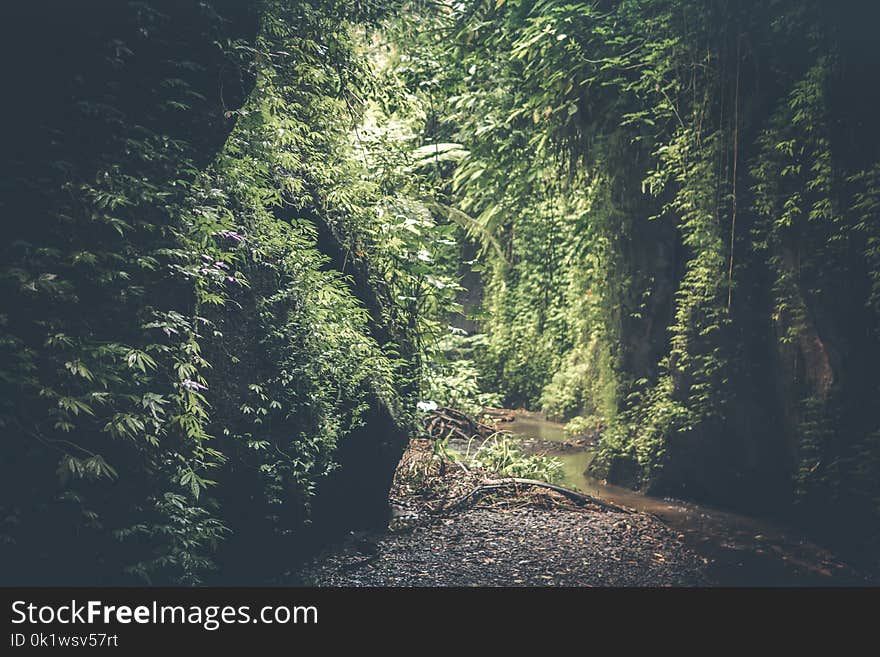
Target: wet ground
740	550
525	546
518	536
534	537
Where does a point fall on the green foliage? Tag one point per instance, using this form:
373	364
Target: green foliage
452	378
214	291
584	383
679	233
501	455
579	426
241	231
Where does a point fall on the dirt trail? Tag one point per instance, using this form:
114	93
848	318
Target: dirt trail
524	537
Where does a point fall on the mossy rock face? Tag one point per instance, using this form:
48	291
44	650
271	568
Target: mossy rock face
355	495
216	340
621	470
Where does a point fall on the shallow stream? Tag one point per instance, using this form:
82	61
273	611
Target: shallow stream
741	550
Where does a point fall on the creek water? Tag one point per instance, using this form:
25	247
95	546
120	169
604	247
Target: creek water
740	550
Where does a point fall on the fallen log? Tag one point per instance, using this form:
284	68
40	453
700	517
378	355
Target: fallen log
445	421
489	485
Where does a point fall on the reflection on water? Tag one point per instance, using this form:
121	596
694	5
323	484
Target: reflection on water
742	550
533	425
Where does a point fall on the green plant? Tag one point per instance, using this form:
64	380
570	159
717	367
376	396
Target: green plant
452	378
502	456
591	426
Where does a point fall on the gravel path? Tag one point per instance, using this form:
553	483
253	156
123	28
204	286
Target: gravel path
524	546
